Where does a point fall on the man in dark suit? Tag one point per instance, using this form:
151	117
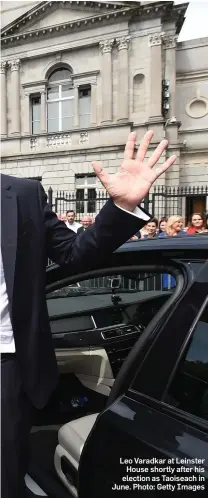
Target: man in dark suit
86	221
31	233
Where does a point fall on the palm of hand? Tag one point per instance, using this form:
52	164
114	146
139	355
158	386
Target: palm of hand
131	184
134	176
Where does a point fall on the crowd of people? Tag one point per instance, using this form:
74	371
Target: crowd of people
165	227
70	219
173	226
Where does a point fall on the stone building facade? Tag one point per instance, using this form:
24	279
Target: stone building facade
77	77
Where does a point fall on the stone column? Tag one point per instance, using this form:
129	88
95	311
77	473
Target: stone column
155	42
3	100
15	97
169	42
76	107
123	78
172	176
107	93
43	126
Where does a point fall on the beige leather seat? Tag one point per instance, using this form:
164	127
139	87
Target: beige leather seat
72	437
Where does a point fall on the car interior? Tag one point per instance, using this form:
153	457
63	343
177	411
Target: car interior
95	323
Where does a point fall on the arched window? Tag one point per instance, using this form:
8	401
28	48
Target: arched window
60	100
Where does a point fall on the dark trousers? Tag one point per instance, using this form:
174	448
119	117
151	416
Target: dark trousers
16	420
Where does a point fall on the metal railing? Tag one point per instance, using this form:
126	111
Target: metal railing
162	201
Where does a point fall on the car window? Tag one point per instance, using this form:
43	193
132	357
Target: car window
125	283
189	388
108	293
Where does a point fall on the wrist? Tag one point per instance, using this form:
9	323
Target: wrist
125	206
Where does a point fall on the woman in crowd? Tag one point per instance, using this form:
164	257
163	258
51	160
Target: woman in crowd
197	224
151	228
174	227
162	224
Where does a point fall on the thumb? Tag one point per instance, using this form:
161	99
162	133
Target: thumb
101	174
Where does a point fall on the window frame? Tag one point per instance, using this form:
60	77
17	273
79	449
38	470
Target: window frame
80	89
32	98
180	359
85	187
59	84
61	281
150	364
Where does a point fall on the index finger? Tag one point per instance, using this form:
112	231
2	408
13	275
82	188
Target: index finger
130	145
144	145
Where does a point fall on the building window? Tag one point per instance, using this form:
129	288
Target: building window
84	106
85	193
35	114
60	101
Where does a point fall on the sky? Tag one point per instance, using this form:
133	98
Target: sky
196	22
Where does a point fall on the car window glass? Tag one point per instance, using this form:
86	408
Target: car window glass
102	296
130	282
189	389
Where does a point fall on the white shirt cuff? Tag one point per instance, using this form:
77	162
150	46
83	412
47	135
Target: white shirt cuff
137	212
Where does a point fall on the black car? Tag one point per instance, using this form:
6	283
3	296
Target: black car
131	410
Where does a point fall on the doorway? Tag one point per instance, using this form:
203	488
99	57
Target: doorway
195	204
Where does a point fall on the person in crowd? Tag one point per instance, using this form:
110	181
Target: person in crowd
162	224
31	233
152	227
197	224
86	221
174	227
62	217
71	223
134	238
143	232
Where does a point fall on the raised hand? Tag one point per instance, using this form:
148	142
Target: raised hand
131	184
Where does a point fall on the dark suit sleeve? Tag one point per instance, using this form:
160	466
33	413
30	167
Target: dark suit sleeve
111	229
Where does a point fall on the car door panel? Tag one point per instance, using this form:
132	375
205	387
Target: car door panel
145	422
91	366
136	430
91	334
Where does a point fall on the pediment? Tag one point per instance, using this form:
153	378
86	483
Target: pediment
47	14
54	18
59	16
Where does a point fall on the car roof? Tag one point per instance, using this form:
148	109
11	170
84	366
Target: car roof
164	249
187	243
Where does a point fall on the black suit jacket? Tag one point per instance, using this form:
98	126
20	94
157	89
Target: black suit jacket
31	233
80	230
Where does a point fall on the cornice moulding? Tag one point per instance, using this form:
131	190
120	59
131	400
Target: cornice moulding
60	29
116	11
190	44
191	130
191	76
34	83
193	151
65	47
86	74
